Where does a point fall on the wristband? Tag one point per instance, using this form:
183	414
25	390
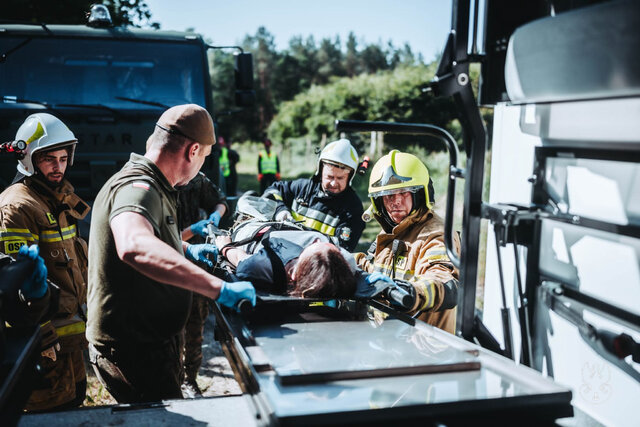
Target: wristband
225	249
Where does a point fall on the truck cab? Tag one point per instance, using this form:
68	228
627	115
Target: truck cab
108	84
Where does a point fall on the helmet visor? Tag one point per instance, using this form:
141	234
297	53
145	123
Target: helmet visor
413	189
390	177
336	164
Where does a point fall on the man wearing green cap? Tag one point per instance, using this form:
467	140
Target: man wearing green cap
140	283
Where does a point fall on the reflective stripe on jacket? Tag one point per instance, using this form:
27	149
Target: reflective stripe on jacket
424	264
337	215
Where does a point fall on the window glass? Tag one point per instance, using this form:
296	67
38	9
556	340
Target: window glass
601	264
598	189
96	71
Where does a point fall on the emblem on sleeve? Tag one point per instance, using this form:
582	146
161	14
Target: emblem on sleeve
140	184
345	234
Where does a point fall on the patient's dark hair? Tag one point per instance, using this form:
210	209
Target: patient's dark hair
326	274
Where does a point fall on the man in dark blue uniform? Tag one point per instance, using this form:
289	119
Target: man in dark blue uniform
326	202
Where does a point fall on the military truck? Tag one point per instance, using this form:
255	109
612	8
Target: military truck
108	84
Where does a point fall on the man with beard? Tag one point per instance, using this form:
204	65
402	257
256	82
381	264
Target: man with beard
326	202
40	207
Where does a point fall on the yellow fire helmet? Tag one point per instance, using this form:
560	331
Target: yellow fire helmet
398	172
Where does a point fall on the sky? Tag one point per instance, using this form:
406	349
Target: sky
424	24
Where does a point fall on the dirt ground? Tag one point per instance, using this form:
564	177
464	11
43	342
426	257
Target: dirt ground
215	377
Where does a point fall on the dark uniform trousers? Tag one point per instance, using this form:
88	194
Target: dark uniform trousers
140	373
266	181
193	331
197	200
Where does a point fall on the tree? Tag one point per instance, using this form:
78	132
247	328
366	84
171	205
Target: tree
329	57
373	58
265	58
305	53
123	12
351	65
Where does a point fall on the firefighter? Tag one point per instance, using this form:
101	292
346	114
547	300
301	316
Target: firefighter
268	166
41	207
410	245
326	202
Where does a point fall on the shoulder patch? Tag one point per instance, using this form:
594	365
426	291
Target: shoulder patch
141	184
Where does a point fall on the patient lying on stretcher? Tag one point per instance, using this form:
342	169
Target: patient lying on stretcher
304	264
298	263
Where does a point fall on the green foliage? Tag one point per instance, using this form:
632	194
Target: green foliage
386	96
282	75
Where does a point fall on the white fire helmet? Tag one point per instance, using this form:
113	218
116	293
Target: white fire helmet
340	153
43	131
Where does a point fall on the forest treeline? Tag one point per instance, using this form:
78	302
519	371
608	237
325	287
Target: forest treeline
302	89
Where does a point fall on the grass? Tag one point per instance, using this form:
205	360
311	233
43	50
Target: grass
97	395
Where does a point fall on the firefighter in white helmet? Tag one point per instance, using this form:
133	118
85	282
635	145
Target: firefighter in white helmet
40	207
326	202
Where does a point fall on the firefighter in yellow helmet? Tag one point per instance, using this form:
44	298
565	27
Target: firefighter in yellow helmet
40	207
411	244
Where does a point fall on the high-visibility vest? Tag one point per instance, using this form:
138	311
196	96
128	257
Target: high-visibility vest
224	162
268	162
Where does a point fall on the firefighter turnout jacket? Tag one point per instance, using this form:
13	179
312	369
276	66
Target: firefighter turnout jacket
420	258
33	213
338	215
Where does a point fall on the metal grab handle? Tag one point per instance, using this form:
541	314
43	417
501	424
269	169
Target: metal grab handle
428	130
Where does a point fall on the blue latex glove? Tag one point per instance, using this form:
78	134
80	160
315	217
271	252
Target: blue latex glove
232	292
215	218
205	253
377	276
200	228
36	285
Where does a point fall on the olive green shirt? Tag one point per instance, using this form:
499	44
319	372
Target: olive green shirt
125	306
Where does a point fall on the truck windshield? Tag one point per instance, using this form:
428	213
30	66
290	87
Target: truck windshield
120	74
